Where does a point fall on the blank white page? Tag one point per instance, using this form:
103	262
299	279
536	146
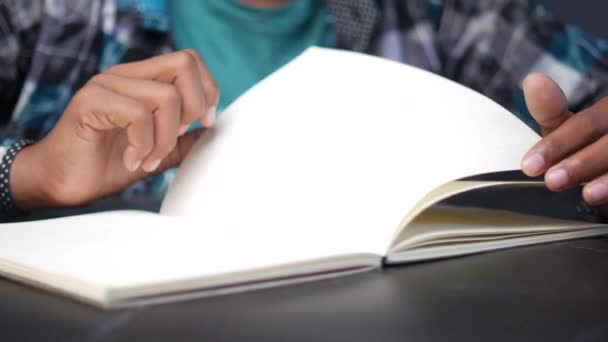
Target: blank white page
128	253
340	141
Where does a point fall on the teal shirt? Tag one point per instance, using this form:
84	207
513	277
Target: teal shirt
242	44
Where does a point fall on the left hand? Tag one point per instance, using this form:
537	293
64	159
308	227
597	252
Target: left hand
574	148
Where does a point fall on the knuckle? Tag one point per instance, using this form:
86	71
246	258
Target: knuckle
112	70
587	124
582	167
193	53
551	149
552	121
575	168
140	113
84	95
586	161
169	96
184	60
97	79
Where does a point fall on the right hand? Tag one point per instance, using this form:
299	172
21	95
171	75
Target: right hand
123	125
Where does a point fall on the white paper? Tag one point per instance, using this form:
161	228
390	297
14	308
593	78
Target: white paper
340	141
319	161
127	253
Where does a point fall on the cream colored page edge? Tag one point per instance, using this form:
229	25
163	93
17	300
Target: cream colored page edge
70	287
246	280
228	290
448	190
472	248
442	224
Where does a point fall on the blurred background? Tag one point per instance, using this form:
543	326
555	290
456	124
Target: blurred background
588	14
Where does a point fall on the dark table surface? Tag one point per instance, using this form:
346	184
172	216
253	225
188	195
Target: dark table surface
552	292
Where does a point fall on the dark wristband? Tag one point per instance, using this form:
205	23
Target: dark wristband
8	208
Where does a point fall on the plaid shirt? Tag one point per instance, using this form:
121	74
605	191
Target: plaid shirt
48	50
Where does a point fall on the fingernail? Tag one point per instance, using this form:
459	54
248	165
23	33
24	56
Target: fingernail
557	178
209	119
533	165
183	128
596	192
135	166
152	166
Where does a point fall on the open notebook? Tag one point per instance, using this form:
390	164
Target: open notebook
332	165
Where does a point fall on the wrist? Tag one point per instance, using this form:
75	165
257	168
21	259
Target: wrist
27	184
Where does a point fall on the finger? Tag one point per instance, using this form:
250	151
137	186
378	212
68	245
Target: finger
178	69
581	167
115	111
580	130
596	192
546	102
210	88
183	147
189	74
163	101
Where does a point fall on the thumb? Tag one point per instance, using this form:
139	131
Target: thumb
183	146
546	102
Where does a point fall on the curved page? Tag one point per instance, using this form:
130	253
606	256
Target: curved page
344	142
446	191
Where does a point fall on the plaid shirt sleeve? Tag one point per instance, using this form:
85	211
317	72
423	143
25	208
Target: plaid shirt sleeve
490	46
19	26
